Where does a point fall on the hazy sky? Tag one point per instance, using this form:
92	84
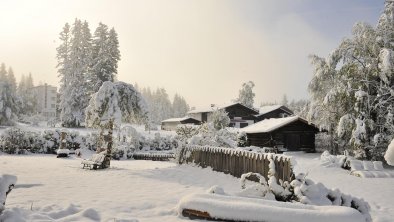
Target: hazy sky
202	49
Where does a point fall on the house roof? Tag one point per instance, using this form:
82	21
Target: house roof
178	119
267	109
208	109
269	125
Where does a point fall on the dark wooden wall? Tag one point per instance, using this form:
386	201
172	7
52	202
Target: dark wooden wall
191	121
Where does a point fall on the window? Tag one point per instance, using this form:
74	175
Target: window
53	106
242	125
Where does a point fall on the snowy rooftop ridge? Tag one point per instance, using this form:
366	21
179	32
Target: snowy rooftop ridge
269	125
267	109
213	107
176	119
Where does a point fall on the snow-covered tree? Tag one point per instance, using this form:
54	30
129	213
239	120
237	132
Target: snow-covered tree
63	57
352	89
220	119
284	101
28	103
8	106
131	103
179	106
246	94
104	107
105	56
74	94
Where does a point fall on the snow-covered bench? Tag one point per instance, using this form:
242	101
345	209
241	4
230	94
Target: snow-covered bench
234	208
95	162
7	183
369	169
62	153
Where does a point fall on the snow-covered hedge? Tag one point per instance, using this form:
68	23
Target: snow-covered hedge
18	141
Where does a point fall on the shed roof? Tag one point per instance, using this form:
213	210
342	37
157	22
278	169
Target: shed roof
178	119
266	109
213	107
269	125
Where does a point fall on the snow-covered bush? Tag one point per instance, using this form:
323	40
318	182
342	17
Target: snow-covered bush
329	160
220	119
242	139
260	189
209	136
308	192
14	140
389	156
186	131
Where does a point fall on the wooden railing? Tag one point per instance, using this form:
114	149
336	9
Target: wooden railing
237	162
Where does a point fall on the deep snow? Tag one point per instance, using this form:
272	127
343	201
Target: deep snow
59	190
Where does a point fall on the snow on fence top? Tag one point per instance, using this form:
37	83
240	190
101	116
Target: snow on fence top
236	161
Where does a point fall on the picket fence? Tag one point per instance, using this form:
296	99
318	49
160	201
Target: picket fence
236	162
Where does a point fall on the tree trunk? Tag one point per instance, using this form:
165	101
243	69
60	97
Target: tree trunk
109	144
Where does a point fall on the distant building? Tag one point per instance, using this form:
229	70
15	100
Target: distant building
46	98
240	115
171	124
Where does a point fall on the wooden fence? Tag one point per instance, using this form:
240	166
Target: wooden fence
237	162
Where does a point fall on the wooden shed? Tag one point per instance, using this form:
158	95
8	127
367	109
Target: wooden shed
171	124
289	133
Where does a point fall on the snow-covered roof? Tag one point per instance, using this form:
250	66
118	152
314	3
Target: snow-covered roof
177	119
269	125
213	107
267	109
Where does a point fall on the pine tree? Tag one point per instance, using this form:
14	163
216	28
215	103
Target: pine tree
63	57
11	80
8	106
74	97
179	106
105	56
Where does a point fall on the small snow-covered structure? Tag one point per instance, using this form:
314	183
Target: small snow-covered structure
292	133
171	124
273	111
240	115
389	155
233	208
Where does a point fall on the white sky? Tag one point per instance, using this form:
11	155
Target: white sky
202	49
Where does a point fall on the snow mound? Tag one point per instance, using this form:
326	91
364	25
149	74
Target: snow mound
252	209
389	156
6	181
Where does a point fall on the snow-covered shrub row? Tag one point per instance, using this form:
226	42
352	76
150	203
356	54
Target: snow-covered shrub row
18	141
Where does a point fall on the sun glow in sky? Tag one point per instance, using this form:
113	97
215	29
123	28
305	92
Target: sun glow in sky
202	49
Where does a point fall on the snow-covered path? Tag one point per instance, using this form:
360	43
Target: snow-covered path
58	189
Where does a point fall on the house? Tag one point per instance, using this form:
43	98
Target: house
46	98
273	111
171	124
290	133
240	115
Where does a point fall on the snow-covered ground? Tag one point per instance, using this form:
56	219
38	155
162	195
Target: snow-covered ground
51	189
378	192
